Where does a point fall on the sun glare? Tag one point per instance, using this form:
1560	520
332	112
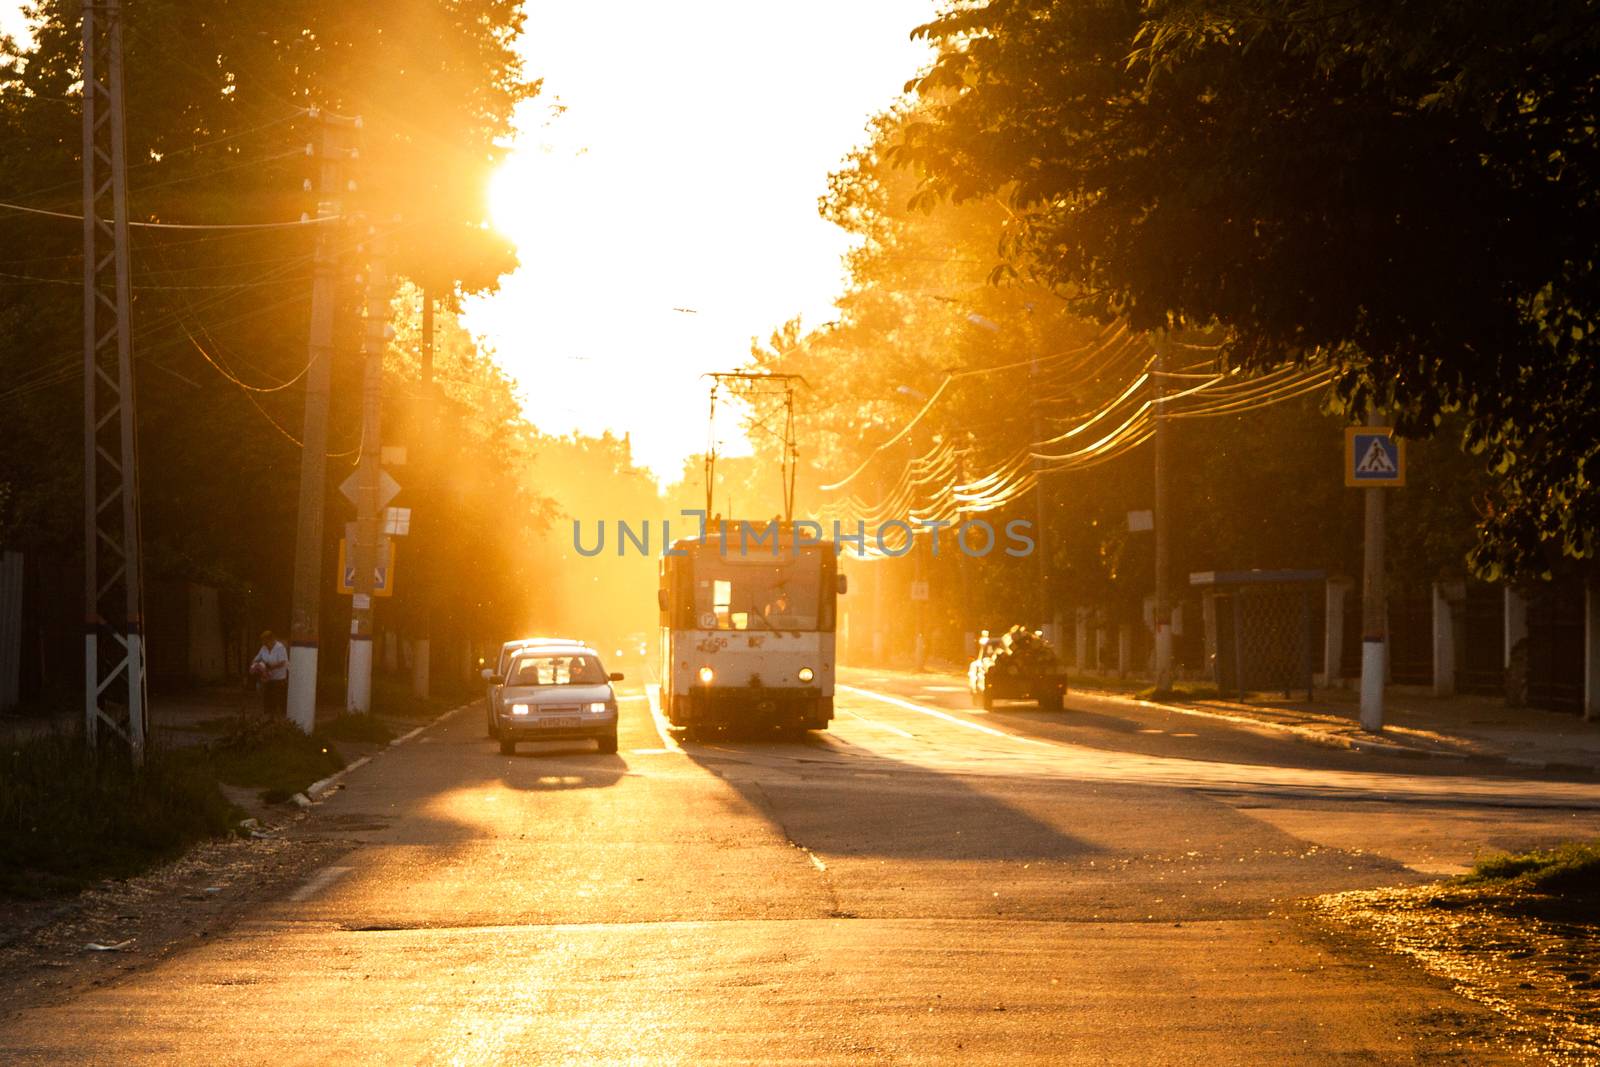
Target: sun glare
662	196
515	202
506	204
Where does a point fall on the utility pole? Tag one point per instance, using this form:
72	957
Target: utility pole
305	618
358	692
421	643
1042	547
1374	614
1163	606
113	602
969	641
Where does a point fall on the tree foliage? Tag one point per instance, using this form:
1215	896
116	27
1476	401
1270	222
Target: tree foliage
930	297
219	117
1403	190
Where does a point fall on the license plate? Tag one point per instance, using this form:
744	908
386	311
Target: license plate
562	723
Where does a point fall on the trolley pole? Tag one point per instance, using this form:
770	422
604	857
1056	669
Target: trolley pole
1374	616
305	614
358	691
1163	605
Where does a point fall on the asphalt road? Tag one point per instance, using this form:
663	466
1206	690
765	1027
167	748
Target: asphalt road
922	883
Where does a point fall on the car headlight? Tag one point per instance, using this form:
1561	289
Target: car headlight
707	675
598	707
806	674
519	709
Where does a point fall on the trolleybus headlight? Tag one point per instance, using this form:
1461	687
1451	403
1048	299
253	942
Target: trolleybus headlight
519	709
706	675
806	674
598	707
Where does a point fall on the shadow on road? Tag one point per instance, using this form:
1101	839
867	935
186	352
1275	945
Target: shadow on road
878	806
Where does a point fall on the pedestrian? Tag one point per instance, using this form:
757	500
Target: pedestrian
271	665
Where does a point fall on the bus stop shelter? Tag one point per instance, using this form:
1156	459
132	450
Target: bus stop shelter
1258	629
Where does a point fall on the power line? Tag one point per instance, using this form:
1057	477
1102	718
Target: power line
1214	394
1098	345
181	225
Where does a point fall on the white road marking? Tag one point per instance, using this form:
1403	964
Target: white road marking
634	696
879	725
817	862
319	881
923	709
945	688
663	728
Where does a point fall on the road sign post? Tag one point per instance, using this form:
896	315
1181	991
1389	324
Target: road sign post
1375	459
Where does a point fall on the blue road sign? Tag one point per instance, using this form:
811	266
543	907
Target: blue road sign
380	571
1373	456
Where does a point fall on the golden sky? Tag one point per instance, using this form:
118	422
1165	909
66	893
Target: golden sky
683	172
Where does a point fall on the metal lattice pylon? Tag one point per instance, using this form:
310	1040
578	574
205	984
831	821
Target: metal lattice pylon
114	675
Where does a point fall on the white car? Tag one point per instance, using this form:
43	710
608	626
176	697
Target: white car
555	692
503	664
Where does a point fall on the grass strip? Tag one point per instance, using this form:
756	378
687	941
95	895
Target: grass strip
1570	870
274	756
70	818
368	728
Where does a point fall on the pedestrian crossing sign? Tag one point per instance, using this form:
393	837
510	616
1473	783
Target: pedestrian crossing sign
1374	456
382	571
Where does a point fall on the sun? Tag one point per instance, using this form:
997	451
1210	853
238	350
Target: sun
512	207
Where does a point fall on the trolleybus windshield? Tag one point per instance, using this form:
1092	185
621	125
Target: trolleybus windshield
744	594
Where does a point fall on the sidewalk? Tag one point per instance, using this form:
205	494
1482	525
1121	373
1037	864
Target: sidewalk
1416	723
1459	727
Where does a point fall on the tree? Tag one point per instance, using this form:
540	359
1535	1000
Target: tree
218	122
1405	191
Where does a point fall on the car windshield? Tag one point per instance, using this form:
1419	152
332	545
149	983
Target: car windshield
556	670
510	652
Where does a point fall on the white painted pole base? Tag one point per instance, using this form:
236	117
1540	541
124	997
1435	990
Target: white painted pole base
421	671
303	687
1374	660
358	689
1163	657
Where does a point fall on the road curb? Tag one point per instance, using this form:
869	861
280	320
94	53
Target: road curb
317	790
